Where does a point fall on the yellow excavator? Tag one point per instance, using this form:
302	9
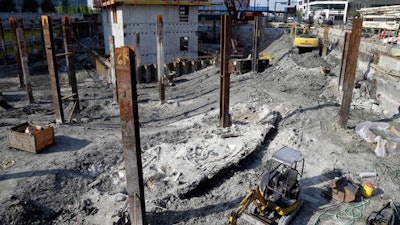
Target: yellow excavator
277	198
303	40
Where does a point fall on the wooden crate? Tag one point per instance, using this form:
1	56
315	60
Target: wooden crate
33	141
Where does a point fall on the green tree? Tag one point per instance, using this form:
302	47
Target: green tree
71	9
65	5
79	9
47	6
30	6
85	9
7	6
60	8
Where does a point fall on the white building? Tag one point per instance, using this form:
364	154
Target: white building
325	10
125	18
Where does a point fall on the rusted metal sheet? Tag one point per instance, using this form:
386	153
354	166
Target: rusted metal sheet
325	41
3	42
160	59
68	47
350	72
23	56
344	59
112	68
52	67
226	35
129	115
256	38
137	55
31	138
13	24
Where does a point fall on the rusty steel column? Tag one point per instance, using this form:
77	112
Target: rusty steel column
69	51
344	59
137	55
13	25
225	46
112	61
255	44
350	72
3	43
325	41
23	56
128	104
52	67
160	59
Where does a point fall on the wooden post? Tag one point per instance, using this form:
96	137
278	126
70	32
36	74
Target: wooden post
160	59
226	35
52	67
350	72
112	61
325	41
3	43
66	28
24	62
344	59
255	45
128	104
13	25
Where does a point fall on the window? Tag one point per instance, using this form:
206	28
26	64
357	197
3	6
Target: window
184	43
184	13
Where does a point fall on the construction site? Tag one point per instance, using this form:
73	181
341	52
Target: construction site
197	112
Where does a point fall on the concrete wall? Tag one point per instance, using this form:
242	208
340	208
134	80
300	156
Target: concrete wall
391	64
142	19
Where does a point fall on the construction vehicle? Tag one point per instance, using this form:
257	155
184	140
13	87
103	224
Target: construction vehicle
277	198
304	41
241	66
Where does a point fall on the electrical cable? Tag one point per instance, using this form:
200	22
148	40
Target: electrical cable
348	215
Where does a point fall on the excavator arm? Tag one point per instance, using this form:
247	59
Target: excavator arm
252	197
235	8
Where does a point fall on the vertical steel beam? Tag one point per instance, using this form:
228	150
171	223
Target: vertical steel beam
128	104
13	24
23	55
112	61
255	44
160	59
52	67
66	28
350	72
325	41
344	59
137	51
3	43
225	46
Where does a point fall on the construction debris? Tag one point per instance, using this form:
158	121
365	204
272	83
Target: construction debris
31	138
343	189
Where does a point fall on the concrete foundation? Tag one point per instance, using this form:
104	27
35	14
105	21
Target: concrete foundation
387	85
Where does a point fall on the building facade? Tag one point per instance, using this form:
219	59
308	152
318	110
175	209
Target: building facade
127	19
323	10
